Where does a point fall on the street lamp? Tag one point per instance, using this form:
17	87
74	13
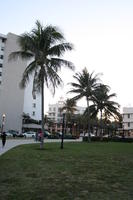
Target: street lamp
63	129
3	122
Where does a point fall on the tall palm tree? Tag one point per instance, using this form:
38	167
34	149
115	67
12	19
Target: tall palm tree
85	87
45	47
103	104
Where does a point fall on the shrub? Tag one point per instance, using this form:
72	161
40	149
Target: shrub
108	139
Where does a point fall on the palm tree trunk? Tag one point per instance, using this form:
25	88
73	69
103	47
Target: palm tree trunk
101	132
42	111
88	108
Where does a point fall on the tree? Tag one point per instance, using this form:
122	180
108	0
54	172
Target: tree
85	87
45	47
69	108
103	104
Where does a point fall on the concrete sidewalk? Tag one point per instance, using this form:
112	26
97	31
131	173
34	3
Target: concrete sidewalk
10	143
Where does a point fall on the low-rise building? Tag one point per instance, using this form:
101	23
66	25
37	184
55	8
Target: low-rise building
128	118
55	114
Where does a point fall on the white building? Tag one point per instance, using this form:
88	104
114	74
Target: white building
128	118
2	48
13	100
54	112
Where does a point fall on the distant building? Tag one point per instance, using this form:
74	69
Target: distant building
54	112
13	100
128	118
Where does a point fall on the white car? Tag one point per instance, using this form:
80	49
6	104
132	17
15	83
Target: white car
8	134
91	134
82	134
29	134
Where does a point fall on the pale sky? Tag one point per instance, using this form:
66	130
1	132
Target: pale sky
101	31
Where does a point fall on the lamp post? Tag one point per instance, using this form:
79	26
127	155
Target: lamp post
75	129
3	122
63	127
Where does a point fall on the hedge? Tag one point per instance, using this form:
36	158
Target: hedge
108	139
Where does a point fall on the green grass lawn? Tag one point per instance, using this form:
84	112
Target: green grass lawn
81	171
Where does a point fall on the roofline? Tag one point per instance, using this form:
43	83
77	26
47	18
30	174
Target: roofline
3	36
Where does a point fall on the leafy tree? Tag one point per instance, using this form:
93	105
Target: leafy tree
69	108
103	105
45	47
85	86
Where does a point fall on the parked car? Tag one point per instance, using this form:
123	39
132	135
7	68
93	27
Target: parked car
12	133
8	134
53	136
20	135
116	136
29	134
58	134
46	134
82	134
70	136
91	134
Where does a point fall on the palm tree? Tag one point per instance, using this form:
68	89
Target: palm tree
45	47
103	104
69	108
85	87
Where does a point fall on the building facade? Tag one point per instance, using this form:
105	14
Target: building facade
13	100
2	48
128	118
56	117
54	112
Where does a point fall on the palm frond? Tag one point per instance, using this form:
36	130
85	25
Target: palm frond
26	75
58	63
69	106
20	54
59	49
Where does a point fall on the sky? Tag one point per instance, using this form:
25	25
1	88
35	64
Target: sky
100	30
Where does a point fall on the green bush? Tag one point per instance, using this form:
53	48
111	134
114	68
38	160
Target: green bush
108	139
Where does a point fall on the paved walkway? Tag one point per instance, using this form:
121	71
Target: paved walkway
10	143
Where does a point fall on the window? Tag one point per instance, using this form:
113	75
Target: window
1	56
128	115
53	109
34	96
0	82
3	40
59	115
131	115
59	110
2	48
34	105
0	73
128	124
1	65
49	109
33	113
